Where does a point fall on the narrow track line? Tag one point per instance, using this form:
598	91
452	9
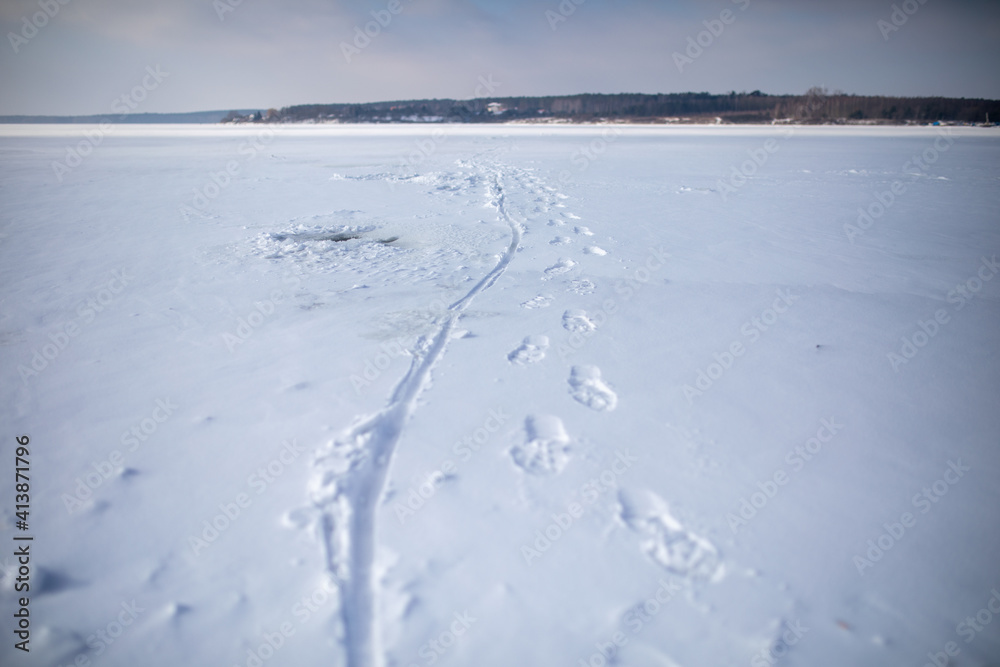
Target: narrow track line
348	499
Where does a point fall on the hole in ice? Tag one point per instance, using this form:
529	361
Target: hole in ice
320	236
317	236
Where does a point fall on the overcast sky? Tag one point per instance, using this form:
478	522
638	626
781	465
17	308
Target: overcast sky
229	54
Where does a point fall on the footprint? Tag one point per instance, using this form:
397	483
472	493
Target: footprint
560	267
51	581
531	350
298	518
545	447
539	301
577	321
595	250
587	387
571	216
585	231
556	223
665	540
582	287
560	240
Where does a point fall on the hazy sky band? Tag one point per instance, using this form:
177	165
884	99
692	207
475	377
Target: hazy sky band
83	56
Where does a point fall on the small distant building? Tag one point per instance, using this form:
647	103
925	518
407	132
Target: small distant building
496	108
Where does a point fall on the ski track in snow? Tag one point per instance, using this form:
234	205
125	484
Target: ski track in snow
351	472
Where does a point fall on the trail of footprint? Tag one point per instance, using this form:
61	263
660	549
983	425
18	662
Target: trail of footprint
665	540
577	321
351	472
545	447
540	301
531	350
587	387
560	267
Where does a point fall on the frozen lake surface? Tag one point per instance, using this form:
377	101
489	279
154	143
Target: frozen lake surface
503	395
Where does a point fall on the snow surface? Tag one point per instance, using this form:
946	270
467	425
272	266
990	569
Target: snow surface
498	395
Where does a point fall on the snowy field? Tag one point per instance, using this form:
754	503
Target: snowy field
504	395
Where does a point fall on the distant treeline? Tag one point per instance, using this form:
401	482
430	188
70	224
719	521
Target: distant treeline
817	106
132	118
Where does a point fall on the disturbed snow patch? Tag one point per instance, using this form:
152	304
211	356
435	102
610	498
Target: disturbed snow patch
587	387
577	321
582	287
540	301
560	267
531	350
544	450
665	540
